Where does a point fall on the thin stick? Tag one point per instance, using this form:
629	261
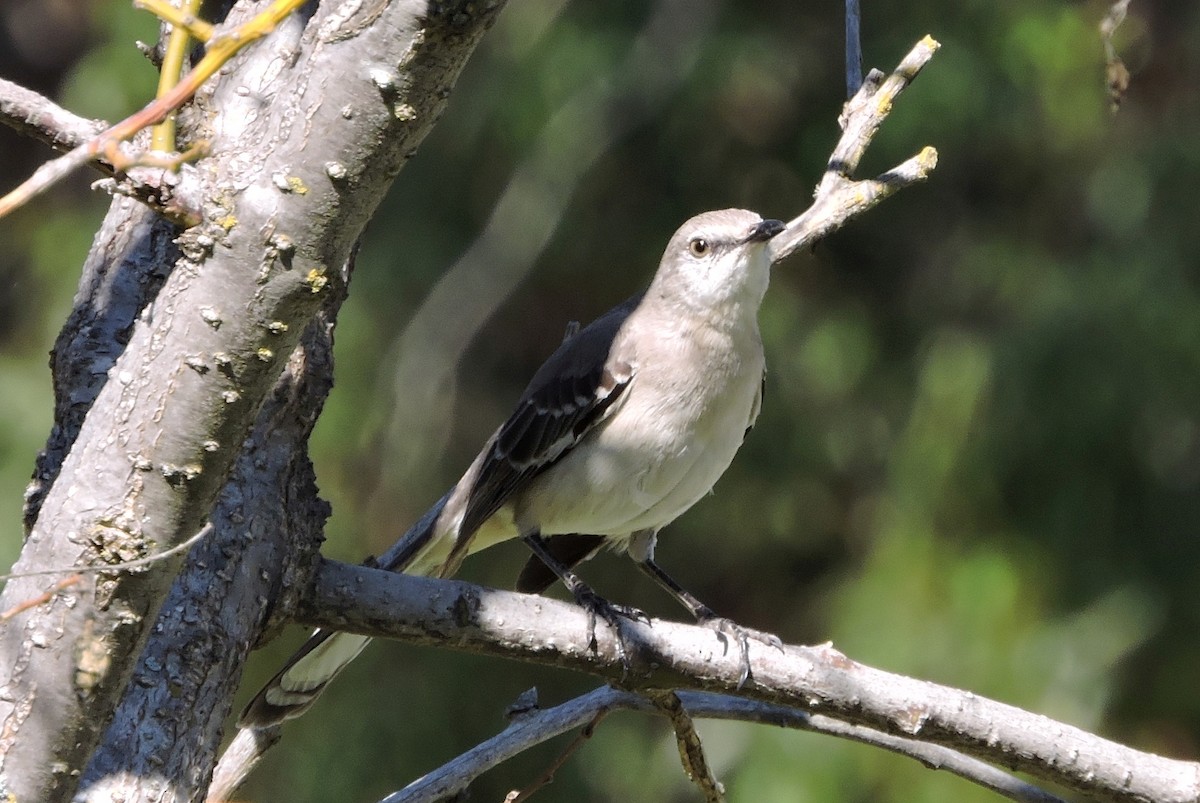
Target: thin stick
163	138
184	18
221	48
38	600
518	796
691	749
129	565
854	77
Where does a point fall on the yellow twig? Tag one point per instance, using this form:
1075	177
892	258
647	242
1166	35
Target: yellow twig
221	48
163	138
179	17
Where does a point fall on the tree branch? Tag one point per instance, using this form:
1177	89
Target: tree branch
668	655
534	726
39	117
270	514
838	197
691	749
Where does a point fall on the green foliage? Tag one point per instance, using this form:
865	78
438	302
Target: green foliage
111	80
979	452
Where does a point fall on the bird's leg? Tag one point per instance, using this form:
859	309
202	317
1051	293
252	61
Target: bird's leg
727	629
589	600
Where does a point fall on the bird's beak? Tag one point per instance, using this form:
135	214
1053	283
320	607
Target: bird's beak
765	230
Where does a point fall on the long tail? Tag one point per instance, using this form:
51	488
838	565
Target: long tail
318	661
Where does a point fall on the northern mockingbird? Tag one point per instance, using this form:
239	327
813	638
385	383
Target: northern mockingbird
626	426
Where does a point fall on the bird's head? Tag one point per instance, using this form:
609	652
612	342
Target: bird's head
717	260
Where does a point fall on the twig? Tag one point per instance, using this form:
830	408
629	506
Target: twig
174	194
221	48
691	750
519	796
181	18
840	201
38	600
77	572
1116	73
540	725
107	568
838	197
39	117
183	22
853	48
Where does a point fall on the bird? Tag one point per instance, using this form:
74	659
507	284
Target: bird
629	423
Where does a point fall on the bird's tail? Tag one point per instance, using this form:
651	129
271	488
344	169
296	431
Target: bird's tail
318	661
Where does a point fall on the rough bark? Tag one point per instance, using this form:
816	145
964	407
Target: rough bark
267	525
308	128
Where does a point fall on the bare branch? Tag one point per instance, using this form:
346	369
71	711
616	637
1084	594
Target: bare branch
669	655
173	193
540	725
221	48
838	198
520	795
39	117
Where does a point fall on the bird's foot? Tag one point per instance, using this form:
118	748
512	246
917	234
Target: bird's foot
730	631
613	615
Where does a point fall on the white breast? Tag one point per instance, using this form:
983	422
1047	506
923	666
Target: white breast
672	438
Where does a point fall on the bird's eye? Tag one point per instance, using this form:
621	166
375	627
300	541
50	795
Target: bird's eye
699	247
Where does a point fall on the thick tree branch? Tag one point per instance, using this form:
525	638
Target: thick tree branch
675	656
270	515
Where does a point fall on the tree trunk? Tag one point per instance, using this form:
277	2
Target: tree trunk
161	377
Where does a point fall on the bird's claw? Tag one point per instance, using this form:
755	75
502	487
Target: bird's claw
612	614
728	630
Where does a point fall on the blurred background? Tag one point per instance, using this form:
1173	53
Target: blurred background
979	453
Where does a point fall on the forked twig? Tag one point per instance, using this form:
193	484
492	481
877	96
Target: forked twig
838	197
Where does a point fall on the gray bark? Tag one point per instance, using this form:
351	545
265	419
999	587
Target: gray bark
267	525
308	128
666	655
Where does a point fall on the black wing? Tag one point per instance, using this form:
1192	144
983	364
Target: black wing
570	393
